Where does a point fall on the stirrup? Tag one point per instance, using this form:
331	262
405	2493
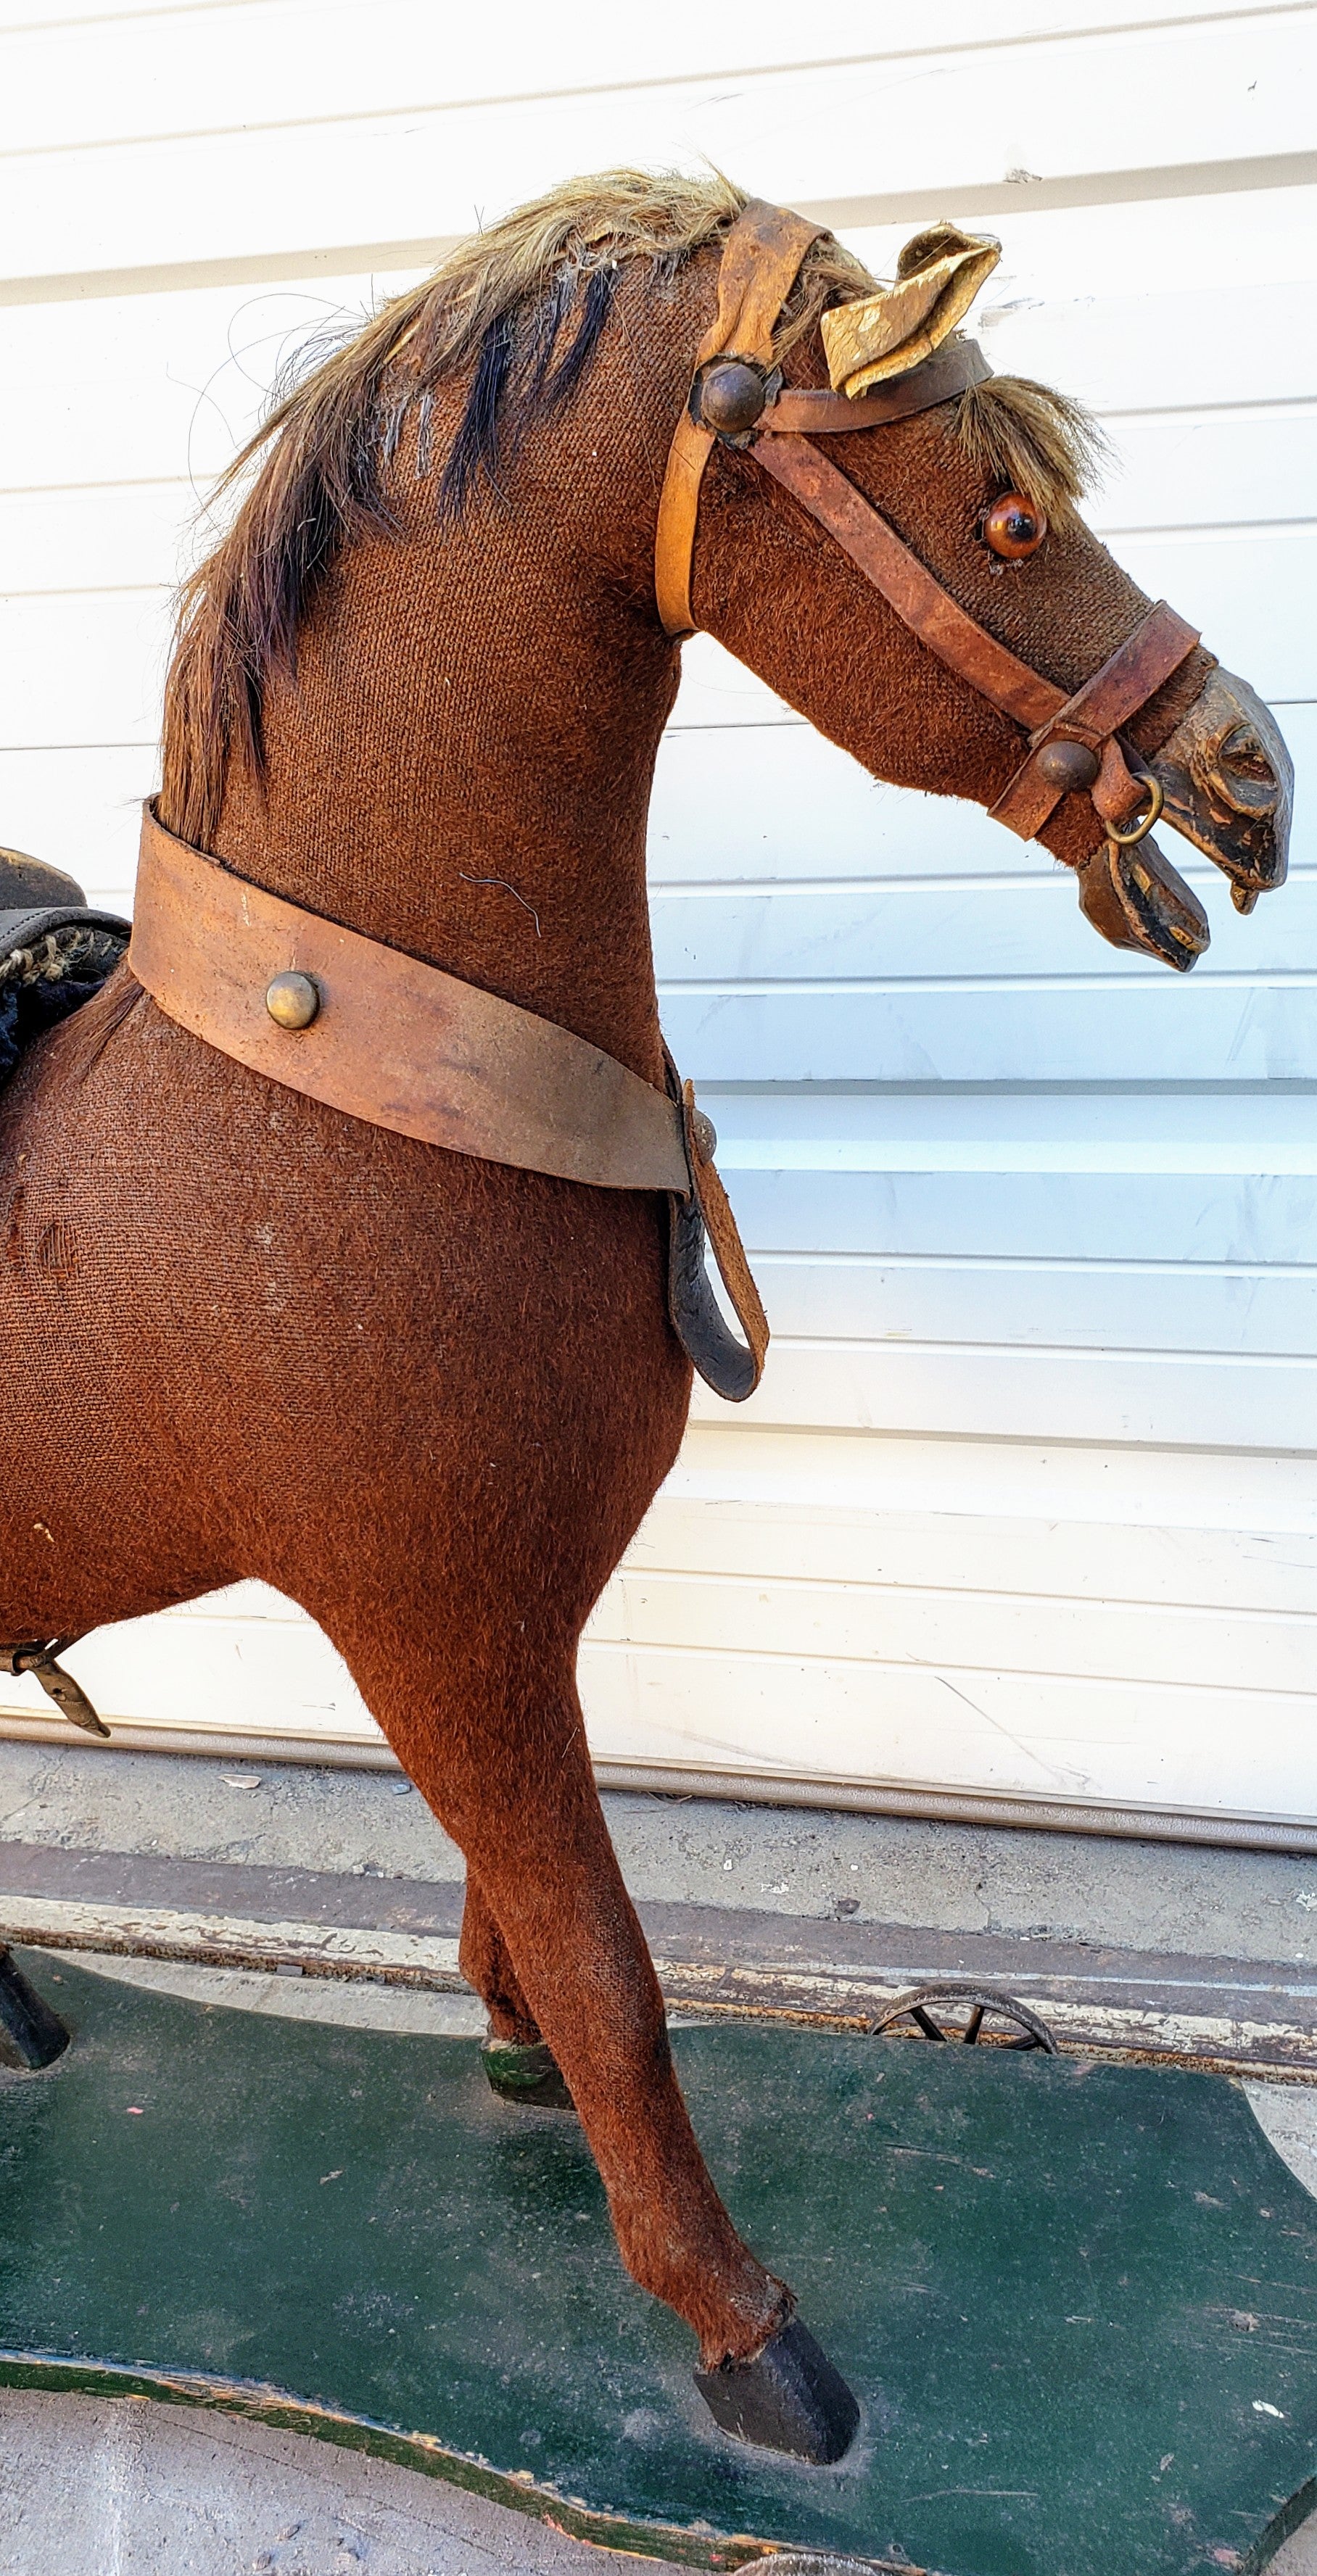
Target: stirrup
69	1696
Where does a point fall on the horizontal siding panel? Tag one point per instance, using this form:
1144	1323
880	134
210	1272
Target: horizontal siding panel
808	134
88	668
1161	352
1248	593
914	932
1000	1632
963	1557
1267	1500
1017	1735
1133	1397
133	536
164	70
79	810
1208	469
736	804
140	388
1107	1030
251	1676
1172	1221
1246	1316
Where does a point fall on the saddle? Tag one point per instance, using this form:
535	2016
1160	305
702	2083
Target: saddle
56	950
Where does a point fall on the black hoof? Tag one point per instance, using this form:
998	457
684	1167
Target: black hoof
790	2399
525	2071
31	2035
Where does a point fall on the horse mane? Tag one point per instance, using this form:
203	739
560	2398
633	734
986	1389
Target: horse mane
503	299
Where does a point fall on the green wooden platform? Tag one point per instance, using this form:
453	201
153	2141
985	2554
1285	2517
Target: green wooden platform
1076	2301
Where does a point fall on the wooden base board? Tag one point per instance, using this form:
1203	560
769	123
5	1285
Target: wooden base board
1076	2301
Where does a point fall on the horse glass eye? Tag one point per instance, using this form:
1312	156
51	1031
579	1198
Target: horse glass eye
1013	527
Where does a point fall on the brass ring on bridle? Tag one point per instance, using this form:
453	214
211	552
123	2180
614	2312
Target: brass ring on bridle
1136	832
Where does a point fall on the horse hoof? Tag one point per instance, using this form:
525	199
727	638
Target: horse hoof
789	2399
525	2071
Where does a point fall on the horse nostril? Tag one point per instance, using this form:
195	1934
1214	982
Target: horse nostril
1242	756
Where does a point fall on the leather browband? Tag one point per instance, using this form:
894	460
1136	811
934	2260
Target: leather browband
801	411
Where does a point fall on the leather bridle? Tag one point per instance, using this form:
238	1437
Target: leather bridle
1072	741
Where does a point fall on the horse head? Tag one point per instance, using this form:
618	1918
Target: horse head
952	495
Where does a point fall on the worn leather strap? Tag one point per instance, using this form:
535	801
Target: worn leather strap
407	1047
1132	675
1127	679
800	411
19	930
760	263
919	600
395	1041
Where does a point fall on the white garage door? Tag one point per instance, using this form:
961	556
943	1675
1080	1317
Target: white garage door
1024	1513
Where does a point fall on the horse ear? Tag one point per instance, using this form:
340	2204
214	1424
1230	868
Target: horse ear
885	334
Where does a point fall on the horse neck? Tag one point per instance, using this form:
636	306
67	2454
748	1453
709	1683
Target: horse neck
462	766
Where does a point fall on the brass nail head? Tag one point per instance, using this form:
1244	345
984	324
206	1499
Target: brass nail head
705	1134
293	1001
1069	765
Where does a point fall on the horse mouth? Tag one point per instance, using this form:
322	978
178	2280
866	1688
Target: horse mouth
1229	786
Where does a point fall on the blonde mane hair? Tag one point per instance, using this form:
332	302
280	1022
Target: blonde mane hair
504	299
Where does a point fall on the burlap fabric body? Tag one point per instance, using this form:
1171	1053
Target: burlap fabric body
428	1398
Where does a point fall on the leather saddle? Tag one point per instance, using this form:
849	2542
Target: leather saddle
56	950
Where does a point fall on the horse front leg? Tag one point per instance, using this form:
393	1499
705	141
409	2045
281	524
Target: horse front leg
499	1753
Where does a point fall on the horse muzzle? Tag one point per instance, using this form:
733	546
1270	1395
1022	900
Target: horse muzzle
1228	782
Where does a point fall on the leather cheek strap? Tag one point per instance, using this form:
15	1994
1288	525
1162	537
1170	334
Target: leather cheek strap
1138	667
760	264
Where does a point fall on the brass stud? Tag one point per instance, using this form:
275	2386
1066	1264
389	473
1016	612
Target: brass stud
731	394
293	1001
704	1134
1071	766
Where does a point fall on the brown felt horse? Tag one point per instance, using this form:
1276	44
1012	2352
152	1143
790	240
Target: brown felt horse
419	688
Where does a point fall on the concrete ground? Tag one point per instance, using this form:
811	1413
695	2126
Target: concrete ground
126	2488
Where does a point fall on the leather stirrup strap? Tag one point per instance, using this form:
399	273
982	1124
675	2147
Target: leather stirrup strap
761	260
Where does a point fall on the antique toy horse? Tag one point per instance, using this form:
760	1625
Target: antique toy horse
255	1325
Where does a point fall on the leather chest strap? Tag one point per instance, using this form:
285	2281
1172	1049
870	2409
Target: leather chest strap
391	1040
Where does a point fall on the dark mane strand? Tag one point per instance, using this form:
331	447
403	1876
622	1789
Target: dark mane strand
475	448
514	386
313	479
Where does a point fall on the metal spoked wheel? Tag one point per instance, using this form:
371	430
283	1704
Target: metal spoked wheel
968	2013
